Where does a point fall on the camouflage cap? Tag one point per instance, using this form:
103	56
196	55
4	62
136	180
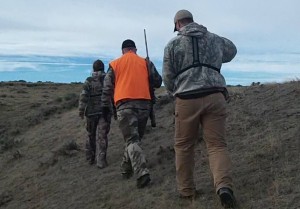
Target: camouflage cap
182	14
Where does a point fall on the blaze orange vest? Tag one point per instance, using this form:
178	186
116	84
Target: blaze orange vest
131	77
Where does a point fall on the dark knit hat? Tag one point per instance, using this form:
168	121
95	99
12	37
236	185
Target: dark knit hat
98	66
128	43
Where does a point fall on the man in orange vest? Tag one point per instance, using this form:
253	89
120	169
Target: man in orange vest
127	80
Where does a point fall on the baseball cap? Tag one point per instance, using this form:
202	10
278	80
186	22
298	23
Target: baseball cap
182	14
128	43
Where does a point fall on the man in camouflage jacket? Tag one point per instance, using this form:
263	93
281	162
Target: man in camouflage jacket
127	80
191	72
97	126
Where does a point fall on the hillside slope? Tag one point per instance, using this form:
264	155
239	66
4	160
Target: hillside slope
42	165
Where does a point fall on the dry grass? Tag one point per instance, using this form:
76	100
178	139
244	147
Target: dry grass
42	162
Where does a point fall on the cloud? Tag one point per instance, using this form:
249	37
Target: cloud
94	28
73	26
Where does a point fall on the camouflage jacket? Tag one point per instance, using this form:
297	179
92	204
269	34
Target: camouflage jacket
109	86
90	96
213	50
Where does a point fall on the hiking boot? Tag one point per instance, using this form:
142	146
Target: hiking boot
127	175
126	170
90	157
226	197
143	181
92	161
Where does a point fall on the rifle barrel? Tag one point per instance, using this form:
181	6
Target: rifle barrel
146	43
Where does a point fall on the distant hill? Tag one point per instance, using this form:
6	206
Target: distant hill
43	166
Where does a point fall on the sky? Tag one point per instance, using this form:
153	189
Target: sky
58	40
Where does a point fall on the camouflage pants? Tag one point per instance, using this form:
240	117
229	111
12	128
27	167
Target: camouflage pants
96	144
132	123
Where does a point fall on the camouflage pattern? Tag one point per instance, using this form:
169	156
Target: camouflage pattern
178	54
97	128
132	116
103	129
96	142
90	97
132	123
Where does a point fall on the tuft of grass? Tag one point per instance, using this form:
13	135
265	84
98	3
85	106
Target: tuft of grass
68	148
5	197
8	144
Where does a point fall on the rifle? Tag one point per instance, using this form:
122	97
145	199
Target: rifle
151	88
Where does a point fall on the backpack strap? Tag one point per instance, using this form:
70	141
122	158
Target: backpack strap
196	62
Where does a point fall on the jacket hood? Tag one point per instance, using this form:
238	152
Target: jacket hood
193	29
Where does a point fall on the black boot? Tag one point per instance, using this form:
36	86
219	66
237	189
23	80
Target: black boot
126	170
143	181
90	157
226	197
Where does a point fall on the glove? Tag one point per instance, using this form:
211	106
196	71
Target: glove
81	115
105	113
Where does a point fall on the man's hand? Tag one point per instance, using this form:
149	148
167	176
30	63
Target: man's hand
81	115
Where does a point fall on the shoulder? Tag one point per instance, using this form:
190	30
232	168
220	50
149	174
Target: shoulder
116	60
173	42
89	79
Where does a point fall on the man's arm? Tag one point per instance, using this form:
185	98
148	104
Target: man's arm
229	50
108	88
167	71
156	78
83	98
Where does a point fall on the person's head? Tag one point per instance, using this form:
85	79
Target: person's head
182	18
128	45
98	65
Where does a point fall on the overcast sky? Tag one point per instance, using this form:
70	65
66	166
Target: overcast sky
264	31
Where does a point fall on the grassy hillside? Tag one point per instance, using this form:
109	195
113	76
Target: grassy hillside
42	159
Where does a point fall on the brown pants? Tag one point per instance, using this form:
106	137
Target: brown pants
210	113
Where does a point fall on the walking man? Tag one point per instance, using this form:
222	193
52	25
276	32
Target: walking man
127	81
97	126
191	72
